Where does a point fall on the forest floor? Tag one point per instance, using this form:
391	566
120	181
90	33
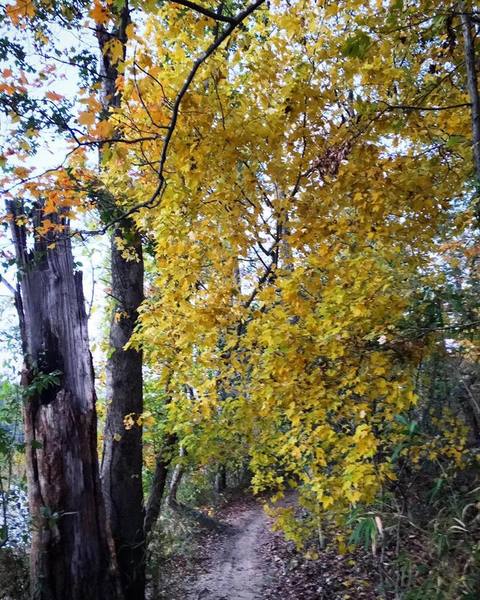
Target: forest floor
246	560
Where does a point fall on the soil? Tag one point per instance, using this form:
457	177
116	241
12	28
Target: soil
248	561
237	568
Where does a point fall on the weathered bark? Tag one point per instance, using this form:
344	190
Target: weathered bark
122	456
69	551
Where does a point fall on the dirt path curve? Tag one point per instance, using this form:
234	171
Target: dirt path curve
237	570
243	559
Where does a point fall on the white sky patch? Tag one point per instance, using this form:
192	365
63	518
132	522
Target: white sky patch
91	253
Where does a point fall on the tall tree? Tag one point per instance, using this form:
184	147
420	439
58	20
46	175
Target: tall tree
122	453
69	552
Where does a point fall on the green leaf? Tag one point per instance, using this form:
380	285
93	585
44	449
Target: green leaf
357	45
437	487
454	140
413	428
396	451
402	420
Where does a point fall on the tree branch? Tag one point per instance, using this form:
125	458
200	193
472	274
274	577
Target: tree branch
432	108
8	285
156	197
205	11
196	65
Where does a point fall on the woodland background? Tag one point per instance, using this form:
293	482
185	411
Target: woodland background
279	203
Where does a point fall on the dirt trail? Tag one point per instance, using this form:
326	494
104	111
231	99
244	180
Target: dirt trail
246	560
237	570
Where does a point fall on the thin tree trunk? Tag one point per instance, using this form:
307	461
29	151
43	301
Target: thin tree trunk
175	481
470	65
221	479
122	457
157	492
69	554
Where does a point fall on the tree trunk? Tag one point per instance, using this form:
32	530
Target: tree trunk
122	456
162	466
156	494
177	476
221	479
69	552
472	82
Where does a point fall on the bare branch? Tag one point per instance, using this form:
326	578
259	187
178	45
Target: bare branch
408	107
260	284
8	285
205	11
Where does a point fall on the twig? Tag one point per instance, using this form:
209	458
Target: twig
430	108
8	285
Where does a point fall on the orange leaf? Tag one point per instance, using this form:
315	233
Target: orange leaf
99	13
104	129
86	118
130	31
54	96
22	9
21	172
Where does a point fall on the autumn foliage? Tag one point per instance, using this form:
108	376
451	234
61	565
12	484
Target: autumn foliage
301	174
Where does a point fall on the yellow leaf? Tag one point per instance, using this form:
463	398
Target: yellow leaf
130	31
358	311
114	49
129	421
